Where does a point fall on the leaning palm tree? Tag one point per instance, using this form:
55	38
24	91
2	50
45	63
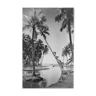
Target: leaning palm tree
35	22
67	15
53	53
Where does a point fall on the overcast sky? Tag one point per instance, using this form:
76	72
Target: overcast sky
57	40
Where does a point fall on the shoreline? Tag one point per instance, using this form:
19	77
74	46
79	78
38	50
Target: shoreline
67	83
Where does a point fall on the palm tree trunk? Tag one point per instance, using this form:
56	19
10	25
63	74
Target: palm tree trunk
70	38
56	60
52	53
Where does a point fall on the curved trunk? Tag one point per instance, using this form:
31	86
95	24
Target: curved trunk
70	38
53	54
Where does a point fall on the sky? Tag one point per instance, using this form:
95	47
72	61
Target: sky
57	40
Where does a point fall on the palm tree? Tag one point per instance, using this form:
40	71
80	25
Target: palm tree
67	15
53	53
50	47
70	59
41	50
38	52
35	22
44	52
27	52
63	55
66	52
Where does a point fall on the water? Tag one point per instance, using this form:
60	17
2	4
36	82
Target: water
51	76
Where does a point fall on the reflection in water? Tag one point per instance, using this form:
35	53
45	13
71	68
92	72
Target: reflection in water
51	75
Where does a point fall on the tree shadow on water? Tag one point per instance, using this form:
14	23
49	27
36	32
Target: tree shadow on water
35	84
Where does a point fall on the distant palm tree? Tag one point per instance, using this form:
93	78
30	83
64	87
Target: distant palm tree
70	59
41	50
27	52
35	22
38	52
44	51
66	52
67	15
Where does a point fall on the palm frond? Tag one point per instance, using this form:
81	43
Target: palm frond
44	36
43	18
64	23
66	50
59	17
63	52
72	31
46	32
54	53
46	49
43	28
26	18
26	27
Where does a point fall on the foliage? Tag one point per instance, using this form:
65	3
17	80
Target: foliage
38	20
36	23
27	50
67	16
67	50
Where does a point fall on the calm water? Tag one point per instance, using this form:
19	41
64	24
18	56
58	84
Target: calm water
51	76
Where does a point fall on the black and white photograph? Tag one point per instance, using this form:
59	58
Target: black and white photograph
48	47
